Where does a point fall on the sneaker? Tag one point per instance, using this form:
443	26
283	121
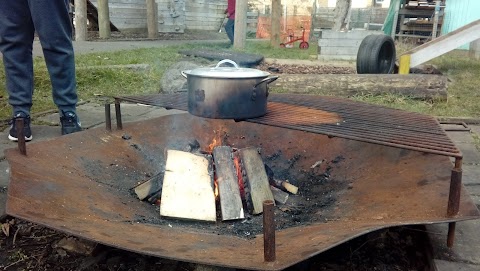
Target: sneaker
27	132
70	123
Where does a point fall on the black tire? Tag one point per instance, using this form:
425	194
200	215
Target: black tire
376	55
304	45
363	51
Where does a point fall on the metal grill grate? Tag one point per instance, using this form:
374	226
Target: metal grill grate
340	118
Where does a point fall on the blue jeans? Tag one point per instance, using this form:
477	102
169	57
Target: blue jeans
230	29
19	19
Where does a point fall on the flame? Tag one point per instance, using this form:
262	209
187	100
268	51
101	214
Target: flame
212	145
216	141
215	188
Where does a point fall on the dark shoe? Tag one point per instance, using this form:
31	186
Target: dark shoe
70	123
27	132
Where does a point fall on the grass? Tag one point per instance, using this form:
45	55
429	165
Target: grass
92	83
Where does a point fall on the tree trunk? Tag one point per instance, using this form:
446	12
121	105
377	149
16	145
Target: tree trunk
80	20
418	86
276	16
342	15
240	33
152	19
103	19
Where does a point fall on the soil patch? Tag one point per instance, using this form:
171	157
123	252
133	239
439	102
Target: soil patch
188	35
32	247
304	69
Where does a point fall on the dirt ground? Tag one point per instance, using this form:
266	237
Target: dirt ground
27	246
32	247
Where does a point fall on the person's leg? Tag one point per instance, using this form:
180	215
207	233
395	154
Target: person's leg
230	29
52	23
16	38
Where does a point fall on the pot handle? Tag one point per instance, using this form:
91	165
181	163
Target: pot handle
268	80
227	61
183	73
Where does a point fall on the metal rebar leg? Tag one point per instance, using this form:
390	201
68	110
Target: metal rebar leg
118	115
454	198
108	118
22	146
268	231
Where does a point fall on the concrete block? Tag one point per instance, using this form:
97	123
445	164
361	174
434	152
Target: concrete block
358	34
459	136
470	153
471	174
442	265
4	175
341	45
474	191
467	242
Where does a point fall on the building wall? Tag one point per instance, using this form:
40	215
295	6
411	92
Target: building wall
127	14
355	3
173	15
459	13
292	7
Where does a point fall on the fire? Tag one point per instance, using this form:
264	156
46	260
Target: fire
216	141
212	145
215	188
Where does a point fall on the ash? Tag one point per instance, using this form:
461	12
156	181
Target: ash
314	203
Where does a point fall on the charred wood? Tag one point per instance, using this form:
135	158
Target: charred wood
279	196
284	185
149	187
229	192
257	179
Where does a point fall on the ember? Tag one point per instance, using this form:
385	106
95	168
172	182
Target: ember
241	180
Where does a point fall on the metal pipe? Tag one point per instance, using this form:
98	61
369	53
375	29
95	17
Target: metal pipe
458	163
451	234
268	231
108	118
455	189
118	115
454	198
19	125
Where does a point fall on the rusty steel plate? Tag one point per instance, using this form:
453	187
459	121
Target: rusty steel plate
81	184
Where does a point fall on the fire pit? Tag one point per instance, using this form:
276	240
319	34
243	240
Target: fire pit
82	184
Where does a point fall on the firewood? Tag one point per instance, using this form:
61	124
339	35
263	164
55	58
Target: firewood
257	179
418	86
149	187
279	196
187	190
229	192
284	185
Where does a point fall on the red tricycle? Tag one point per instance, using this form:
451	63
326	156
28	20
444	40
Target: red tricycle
291	39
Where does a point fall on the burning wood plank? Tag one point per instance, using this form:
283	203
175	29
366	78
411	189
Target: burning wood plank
229	192
187	187
257	178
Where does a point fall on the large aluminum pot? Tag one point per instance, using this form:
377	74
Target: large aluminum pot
227	92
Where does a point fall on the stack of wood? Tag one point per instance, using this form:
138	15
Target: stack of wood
188	189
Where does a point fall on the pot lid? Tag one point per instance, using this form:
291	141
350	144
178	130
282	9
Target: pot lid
227	72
